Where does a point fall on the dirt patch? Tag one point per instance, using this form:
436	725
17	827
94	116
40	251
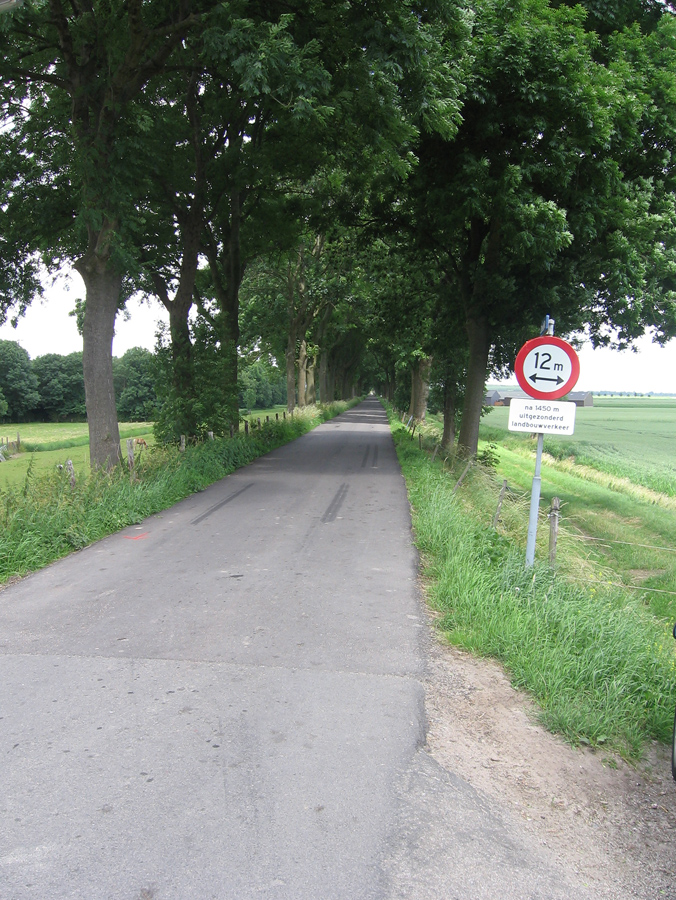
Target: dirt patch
614	827
638	575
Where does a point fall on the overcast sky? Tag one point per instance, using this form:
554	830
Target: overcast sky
47	328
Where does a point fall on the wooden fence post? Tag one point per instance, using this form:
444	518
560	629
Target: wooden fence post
182	446
246	428
71	471
210	435
462	477
503	491
553	529
130	457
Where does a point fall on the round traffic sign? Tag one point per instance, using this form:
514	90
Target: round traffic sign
547	367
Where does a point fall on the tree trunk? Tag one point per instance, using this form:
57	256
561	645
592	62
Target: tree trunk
103	286
302	374
479	348
291	372
324	396
346	385
183	373
310	391
228	351
420	387
230	305
227	270
330	384
448	436
413	402
390	378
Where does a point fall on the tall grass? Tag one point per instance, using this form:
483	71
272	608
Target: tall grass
47	518
600	666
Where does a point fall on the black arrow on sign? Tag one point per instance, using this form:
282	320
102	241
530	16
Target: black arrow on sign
536	378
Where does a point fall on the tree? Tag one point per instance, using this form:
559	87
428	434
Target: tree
70	78
18	383
261	385
61	387
233	125
301	307
83	85
135	374
543	202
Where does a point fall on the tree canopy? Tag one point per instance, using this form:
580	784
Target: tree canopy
392	192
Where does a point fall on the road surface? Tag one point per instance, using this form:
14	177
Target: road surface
227	702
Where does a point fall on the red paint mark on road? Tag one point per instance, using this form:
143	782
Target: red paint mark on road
129	537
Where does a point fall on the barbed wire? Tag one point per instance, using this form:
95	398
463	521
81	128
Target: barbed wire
584	537
607	541
619	584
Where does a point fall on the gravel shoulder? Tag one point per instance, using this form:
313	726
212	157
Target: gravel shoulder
611	824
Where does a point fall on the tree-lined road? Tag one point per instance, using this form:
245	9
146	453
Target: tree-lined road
227	701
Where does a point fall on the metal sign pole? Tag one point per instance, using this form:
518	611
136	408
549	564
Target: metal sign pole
547	328
534	504
547	368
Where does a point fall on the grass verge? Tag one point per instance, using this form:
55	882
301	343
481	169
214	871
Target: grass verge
47	518
600	666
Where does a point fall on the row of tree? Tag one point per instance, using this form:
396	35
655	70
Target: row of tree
51	388
384	194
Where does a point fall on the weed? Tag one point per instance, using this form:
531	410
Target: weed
598	663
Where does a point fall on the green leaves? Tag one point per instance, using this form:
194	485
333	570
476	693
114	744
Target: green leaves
266	62
18	384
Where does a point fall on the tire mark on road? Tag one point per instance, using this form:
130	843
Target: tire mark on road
334	506
217	506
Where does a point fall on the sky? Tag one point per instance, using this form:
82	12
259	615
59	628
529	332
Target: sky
47	328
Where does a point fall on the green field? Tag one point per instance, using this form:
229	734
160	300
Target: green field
627	437
44	446
616	479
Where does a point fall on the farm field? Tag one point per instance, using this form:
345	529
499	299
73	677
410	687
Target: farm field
255	414
44	446
616	479
633	437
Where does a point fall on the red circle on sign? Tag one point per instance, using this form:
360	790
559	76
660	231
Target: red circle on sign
528	380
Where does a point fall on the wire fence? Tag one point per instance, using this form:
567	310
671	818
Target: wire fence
428	435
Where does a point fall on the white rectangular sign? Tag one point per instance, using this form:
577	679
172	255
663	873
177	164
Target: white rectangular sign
547	416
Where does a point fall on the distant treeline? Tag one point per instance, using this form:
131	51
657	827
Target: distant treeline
50	388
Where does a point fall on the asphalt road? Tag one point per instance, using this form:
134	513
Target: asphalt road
227	702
